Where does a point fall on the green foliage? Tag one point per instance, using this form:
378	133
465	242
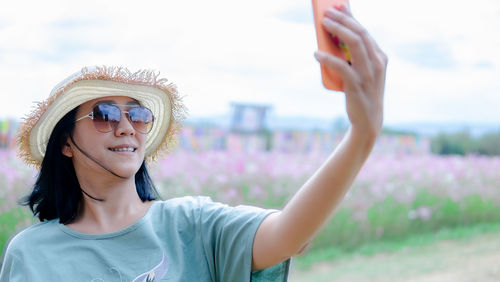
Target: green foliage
341	230
459	143
489	144
388	217
462	143
10	222
390	131
389	221
383	246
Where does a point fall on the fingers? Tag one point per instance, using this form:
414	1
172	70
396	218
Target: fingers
344	16
363	81
356	25
340	66
375	53
349	31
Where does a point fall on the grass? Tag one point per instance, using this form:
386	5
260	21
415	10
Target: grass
388	221
386	246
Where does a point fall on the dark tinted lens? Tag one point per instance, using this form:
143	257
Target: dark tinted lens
142	119
106	117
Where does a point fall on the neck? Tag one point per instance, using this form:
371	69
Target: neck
121	208
115	192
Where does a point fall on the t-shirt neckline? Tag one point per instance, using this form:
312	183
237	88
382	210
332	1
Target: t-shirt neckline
117	233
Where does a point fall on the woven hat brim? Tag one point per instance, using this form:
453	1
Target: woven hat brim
87	90
96	82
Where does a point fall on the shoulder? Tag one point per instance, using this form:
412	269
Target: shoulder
197	204
203	208
185	209
33	236
186	203
188	200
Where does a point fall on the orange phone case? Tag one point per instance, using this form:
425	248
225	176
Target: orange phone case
331	80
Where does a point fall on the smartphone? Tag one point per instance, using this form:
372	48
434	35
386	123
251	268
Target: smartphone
329	43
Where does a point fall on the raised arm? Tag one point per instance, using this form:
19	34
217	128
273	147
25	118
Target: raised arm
284	234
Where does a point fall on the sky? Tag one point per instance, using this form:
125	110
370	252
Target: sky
444	59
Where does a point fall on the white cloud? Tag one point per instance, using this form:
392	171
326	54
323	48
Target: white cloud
443	54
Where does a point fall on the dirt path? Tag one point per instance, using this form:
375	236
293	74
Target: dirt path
472	259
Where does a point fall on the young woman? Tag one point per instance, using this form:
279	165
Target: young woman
100	217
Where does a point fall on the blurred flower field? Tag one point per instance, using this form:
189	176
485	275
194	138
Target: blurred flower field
394	196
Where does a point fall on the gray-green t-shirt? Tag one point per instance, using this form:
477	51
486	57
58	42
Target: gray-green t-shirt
182	239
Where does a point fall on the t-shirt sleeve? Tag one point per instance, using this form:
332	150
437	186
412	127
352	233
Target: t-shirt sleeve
12	267
227	235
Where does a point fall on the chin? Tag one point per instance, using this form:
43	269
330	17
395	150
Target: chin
126	172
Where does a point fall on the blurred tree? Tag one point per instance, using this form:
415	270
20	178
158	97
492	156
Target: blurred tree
391	131
459	143
462	143
489	144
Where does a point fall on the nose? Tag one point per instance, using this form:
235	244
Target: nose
124	127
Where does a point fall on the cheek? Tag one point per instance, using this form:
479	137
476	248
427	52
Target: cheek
85	134
142	139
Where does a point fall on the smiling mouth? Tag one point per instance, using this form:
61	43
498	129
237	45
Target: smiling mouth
123	149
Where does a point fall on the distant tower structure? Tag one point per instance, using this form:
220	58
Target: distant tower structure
249	122
249	118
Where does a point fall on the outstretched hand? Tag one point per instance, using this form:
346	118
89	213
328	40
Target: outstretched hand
364	80
284	234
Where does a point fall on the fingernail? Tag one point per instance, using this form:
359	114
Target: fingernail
331	12
318	56
327	20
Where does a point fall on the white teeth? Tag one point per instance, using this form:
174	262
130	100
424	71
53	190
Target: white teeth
122	149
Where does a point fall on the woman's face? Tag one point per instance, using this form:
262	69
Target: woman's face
122	150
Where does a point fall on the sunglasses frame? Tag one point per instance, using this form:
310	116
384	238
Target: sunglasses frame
113	127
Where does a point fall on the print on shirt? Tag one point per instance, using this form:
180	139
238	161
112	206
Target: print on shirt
155	274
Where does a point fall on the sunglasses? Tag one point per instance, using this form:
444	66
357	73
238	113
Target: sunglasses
107	116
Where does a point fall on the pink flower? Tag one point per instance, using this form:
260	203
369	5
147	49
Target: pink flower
232	193
424	213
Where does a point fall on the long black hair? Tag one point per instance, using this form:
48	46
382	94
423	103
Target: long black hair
57	193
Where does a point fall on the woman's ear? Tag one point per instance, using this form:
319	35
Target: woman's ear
67	150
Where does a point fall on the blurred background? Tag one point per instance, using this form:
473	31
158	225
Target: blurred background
427	202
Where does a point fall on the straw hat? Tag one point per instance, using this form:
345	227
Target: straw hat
96	82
